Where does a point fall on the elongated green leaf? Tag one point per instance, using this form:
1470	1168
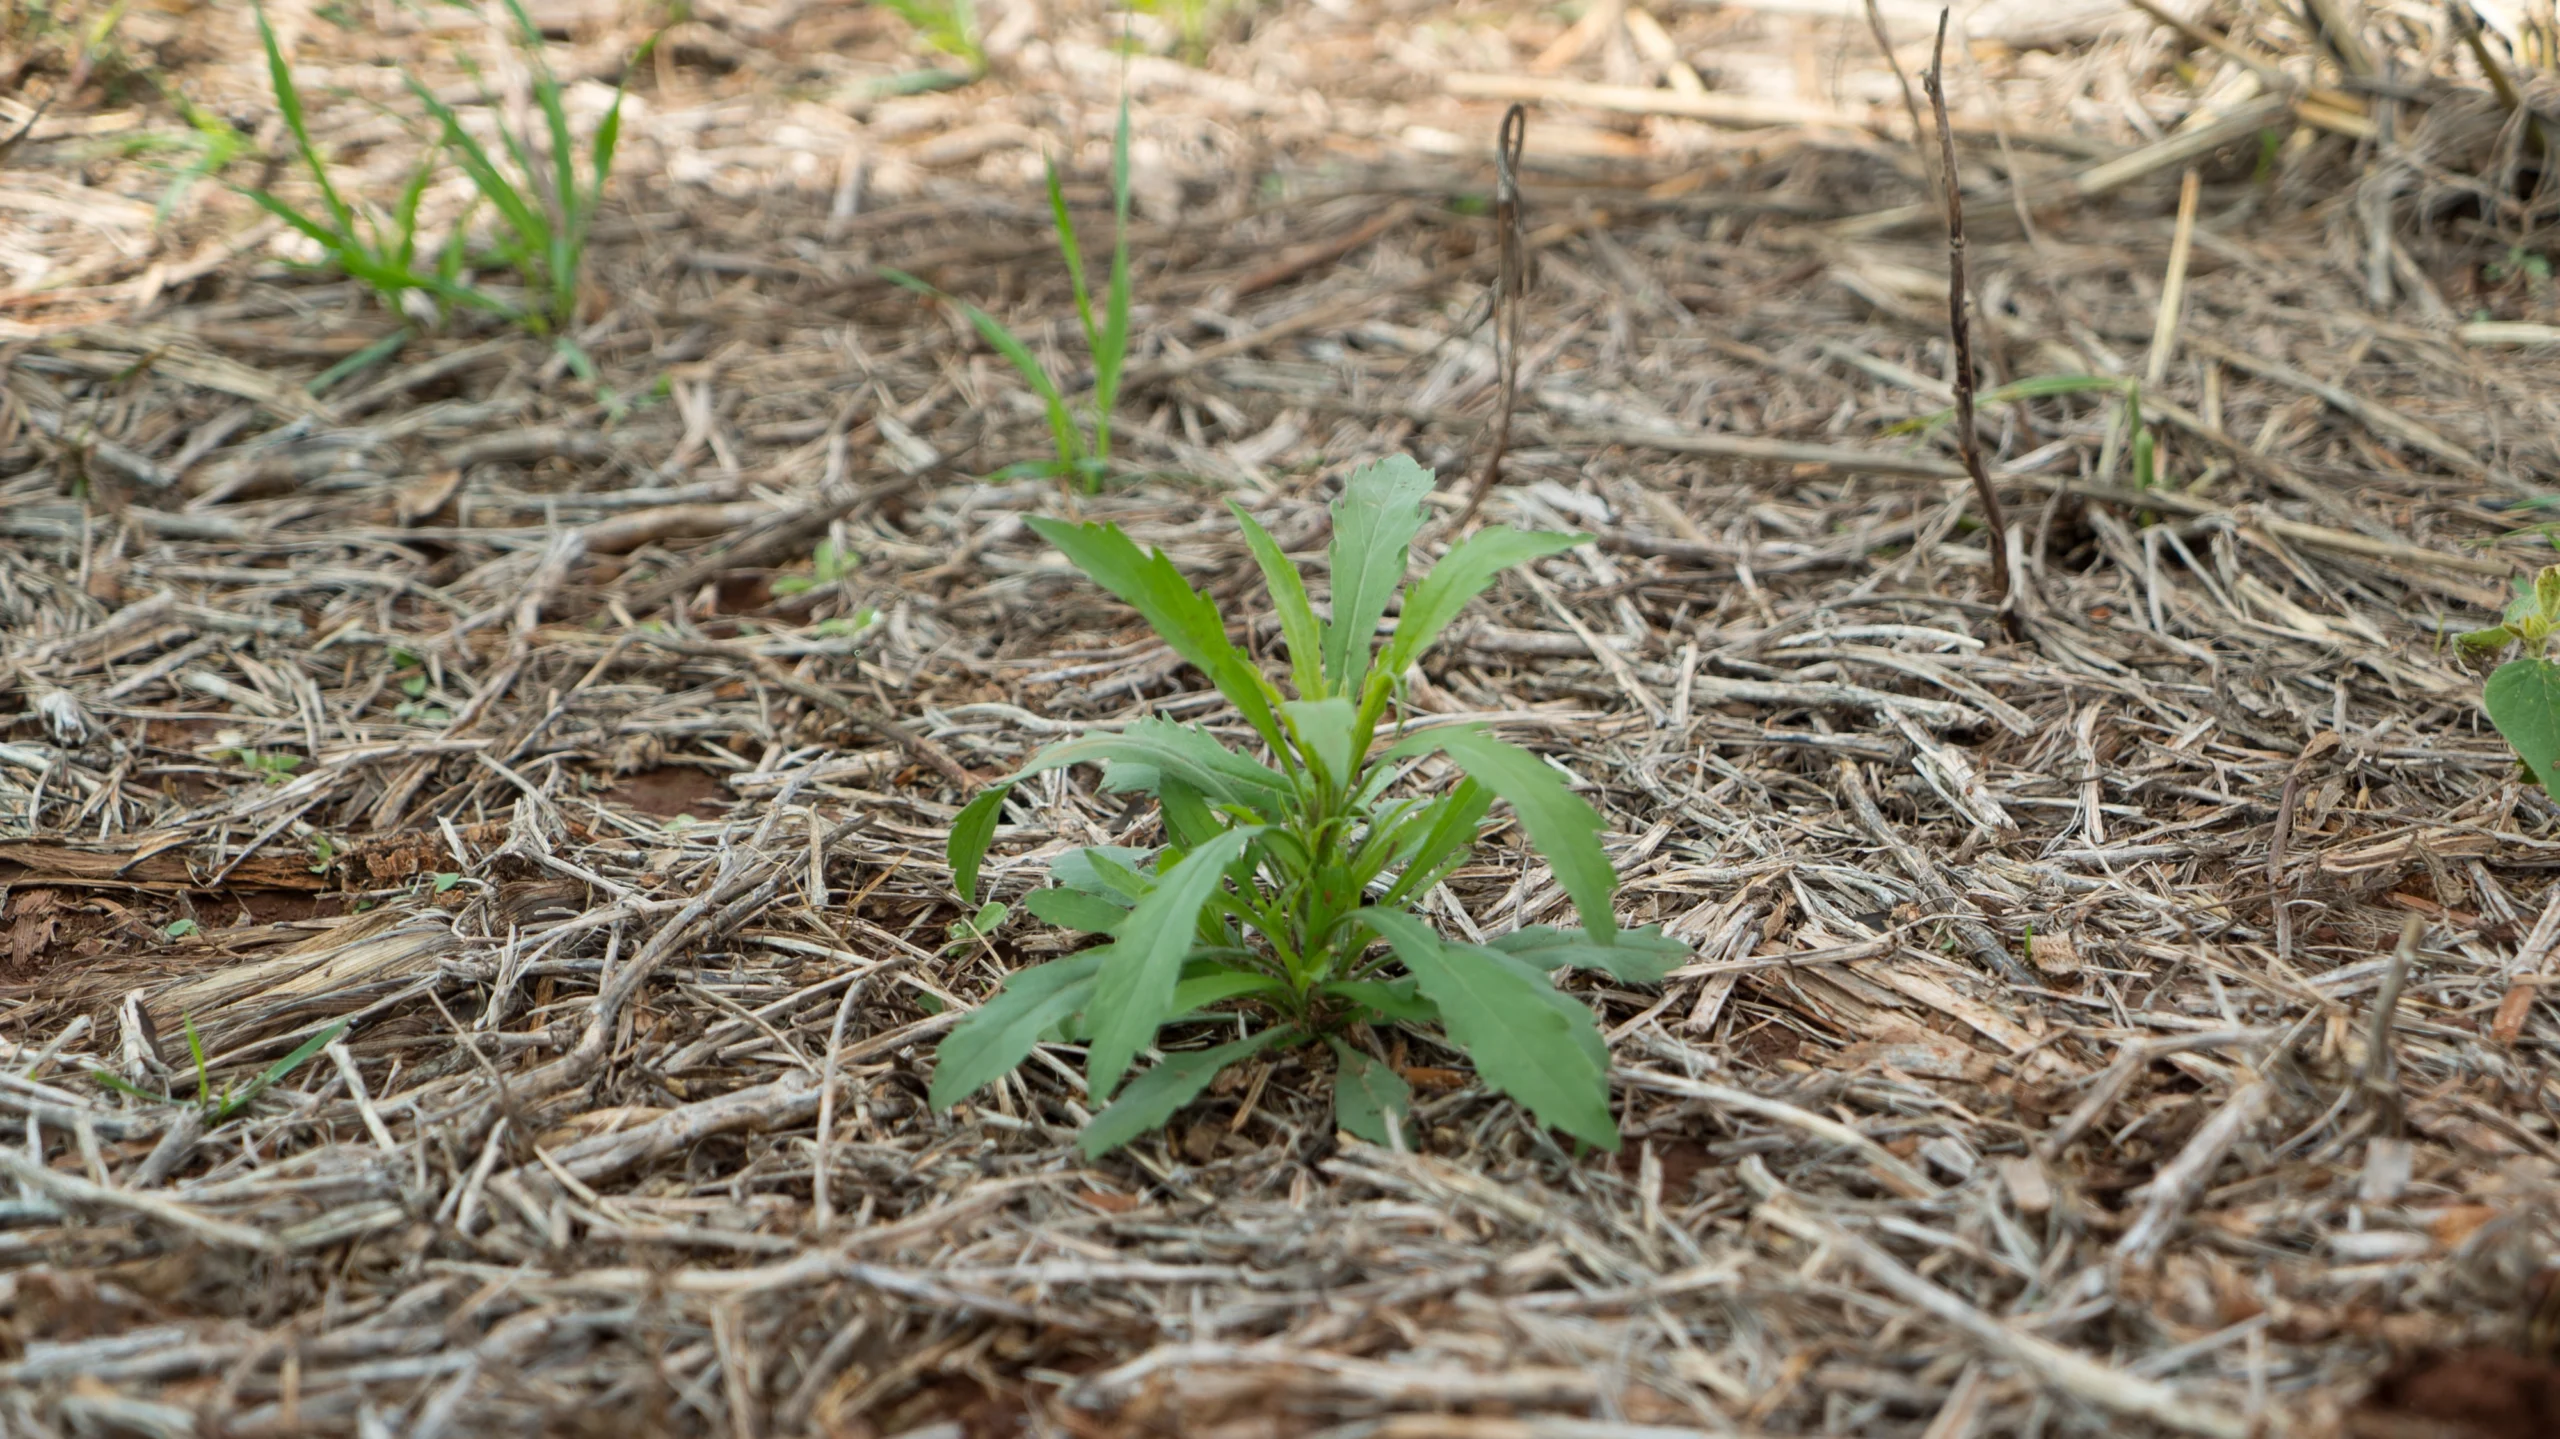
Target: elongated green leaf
2523	700
233	1104
1298	623
1511	1028
289	104
1186	619
1460	576
1062	423
999	1034
1208	982
1158	1093
1113	347
1071	252
1369	1098
1075	909
1507	1021
1187	753
1108	870
1135	992
1324	729
1374	522
1638	956
1188	820
1440	834
971	830
1395	999
1564	828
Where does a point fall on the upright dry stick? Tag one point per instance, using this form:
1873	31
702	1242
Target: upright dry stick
1509	281
1960	331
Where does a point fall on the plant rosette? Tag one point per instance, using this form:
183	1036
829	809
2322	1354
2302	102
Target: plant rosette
1282	907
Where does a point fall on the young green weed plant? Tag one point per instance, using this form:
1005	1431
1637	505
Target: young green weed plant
545	209
1081	449
2523	695
375	249
1282	906
220	1108
545	212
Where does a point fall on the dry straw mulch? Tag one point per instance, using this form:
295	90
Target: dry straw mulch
2139	1023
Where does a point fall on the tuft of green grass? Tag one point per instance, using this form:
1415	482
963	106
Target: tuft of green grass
545	199
1282	908
1081	447
545	210
220	1108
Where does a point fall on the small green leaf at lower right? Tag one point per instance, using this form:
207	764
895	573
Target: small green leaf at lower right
1370	1099
2523	700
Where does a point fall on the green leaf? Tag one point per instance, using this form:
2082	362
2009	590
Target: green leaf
1186	752
2488	641
1370	1099
1325	734
1208	982
233	1104
1062	424
1564	828
1187	620
1298	624
1374	522
999	1034
1135	992
1112	348
179	929
1460	576
1441	831
971	831
1075	909
1395	999
1522	1042
1188	820
1637	956
289	104
1155	1095
2523	700
1109	870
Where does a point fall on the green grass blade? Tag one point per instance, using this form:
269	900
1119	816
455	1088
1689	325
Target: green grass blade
1062	425
364	359
1374	522
971	832
275	1073
1112	350
1073	253
289	104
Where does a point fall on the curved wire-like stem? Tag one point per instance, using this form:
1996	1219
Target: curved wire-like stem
1960	332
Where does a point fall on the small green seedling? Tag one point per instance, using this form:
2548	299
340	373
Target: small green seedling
827	566
220	1108
377	250
1282	905
2523	695
544	211
1081	451
273	768
179	929
444	879
950	26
